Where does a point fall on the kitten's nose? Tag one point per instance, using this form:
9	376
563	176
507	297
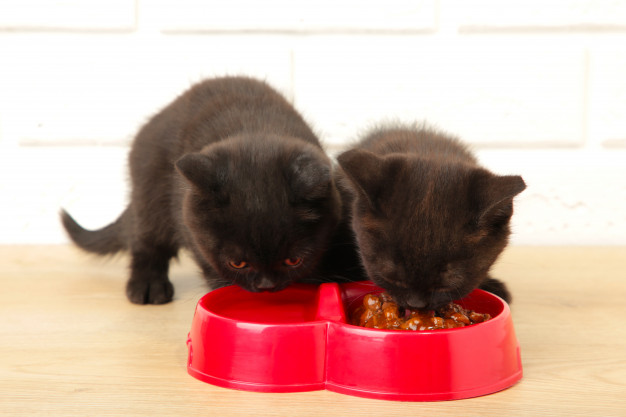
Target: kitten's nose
265	285
416	301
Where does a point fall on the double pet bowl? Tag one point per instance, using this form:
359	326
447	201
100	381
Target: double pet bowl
299	339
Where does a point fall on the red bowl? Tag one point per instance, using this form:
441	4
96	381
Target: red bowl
298	339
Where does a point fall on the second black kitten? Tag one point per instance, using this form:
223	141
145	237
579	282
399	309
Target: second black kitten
231	171
429	220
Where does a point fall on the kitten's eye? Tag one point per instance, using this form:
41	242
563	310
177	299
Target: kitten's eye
238	264
292	261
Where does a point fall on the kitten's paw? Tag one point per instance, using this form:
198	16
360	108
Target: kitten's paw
496	287
149	292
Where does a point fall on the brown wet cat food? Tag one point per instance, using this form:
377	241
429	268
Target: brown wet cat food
379	311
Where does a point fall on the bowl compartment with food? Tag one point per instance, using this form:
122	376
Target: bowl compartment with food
429	365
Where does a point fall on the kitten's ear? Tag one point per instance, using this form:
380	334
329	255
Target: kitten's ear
202	171
310	177
496	198
196	168
364	170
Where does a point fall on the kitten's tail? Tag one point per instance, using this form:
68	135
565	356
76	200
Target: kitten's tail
108	240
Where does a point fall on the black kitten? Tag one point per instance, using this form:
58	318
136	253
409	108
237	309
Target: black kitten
429	221
231	171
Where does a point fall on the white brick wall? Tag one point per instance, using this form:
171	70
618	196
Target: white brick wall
297	16
492	91
534	15
83	15
538	88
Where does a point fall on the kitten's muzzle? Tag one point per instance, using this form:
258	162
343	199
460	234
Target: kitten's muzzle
266	284
415	301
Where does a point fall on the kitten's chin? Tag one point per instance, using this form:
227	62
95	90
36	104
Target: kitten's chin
415	301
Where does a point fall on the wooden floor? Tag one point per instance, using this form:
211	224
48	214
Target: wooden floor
71	345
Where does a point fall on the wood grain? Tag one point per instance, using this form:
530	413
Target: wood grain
71	345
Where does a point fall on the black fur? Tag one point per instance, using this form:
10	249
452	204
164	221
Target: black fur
232	172
429	221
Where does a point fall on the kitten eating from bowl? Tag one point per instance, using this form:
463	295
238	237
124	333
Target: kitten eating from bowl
429	220
232	172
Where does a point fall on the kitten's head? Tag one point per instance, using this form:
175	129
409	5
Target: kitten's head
260	210
428	231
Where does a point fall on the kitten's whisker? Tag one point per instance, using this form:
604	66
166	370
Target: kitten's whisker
458	293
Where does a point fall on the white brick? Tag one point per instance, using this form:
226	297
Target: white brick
67	14
607	94
574	197
36	182
489	15
62	88
75	89
617	143
281	15
505	93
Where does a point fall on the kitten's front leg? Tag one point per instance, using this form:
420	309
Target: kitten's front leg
149	282
496	287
